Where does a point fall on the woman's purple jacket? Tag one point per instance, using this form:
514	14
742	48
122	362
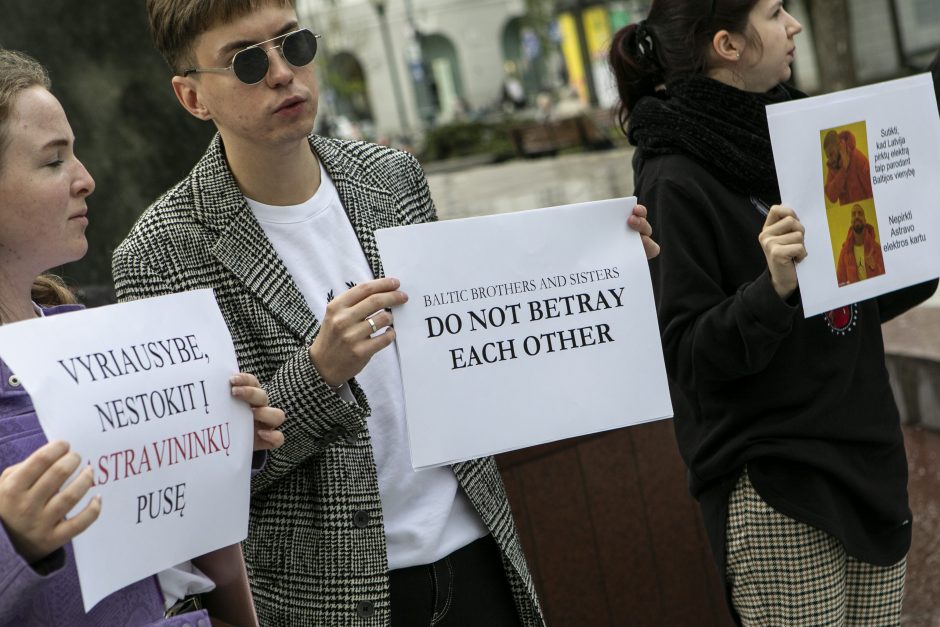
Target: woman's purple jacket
54	598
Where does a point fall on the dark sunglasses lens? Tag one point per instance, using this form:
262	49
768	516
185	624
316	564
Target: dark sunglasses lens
250	65
300	47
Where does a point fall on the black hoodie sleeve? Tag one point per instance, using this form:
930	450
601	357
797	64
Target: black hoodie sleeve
895	303
718	312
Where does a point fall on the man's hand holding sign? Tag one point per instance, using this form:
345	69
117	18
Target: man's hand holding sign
347	339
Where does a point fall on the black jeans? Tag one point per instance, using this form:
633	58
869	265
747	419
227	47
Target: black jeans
466	588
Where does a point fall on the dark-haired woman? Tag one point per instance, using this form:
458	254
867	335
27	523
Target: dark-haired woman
788	425
43	188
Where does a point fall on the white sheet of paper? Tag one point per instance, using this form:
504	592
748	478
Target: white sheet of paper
524	328
141	390
896	129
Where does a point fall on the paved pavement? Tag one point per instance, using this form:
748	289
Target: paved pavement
533	183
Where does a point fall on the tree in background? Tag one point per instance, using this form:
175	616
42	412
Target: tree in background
131	133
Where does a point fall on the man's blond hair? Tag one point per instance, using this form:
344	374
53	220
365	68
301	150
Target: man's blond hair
176	24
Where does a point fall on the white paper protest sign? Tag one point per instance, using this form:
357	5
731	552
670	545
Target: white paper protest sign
862	170
524	328
141	391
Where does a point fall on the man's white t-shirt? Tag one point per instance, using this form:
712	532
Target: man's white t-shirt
427	515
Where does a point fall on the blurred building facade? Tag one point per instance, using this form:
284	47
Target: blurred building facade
396	67
444	59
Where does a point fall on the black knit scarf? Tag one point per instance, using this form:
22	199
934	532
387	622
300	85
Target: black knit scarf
722	127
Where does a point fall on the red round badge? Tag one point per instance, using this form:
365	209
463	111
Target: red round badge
842	320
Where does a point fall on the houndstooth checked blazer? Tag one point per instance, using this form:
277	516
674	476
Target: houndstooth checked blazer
309	562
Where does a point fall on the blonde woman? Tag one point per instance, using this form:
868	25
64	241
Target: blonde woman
43	192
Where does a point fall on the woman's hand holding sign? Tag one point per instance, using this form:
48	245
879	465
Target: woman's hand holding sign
782	241
35	496
267	419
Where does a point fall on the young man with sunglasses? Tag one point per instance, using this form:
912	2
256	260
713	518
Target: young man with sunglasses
280	224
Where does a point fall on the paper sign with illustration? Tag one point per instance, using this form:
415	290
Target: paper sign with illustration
141	391
524	328
862	170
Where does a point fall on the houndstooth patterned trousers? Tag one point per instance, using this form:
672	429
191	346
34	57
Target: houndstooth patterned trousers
784	572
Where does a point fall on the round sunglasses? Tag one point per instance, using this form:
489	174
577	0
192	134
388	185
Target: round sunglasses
250	65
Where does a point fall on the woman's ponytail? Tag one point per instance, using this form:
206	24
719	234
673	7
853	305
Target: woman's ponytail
672	42
635	64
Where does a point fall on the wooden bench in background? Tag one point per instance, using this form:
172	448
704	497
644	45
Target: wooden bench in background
536	139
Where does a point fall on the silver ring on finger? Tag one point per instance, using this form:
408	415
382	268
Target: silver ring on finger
372	324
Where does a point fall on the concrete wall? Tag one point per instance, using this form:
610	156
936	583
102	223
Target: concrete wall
874	43
875	48
912	344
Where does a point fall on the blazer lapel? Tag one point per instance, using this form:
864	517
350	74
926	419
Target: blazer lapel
369	203
242	246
